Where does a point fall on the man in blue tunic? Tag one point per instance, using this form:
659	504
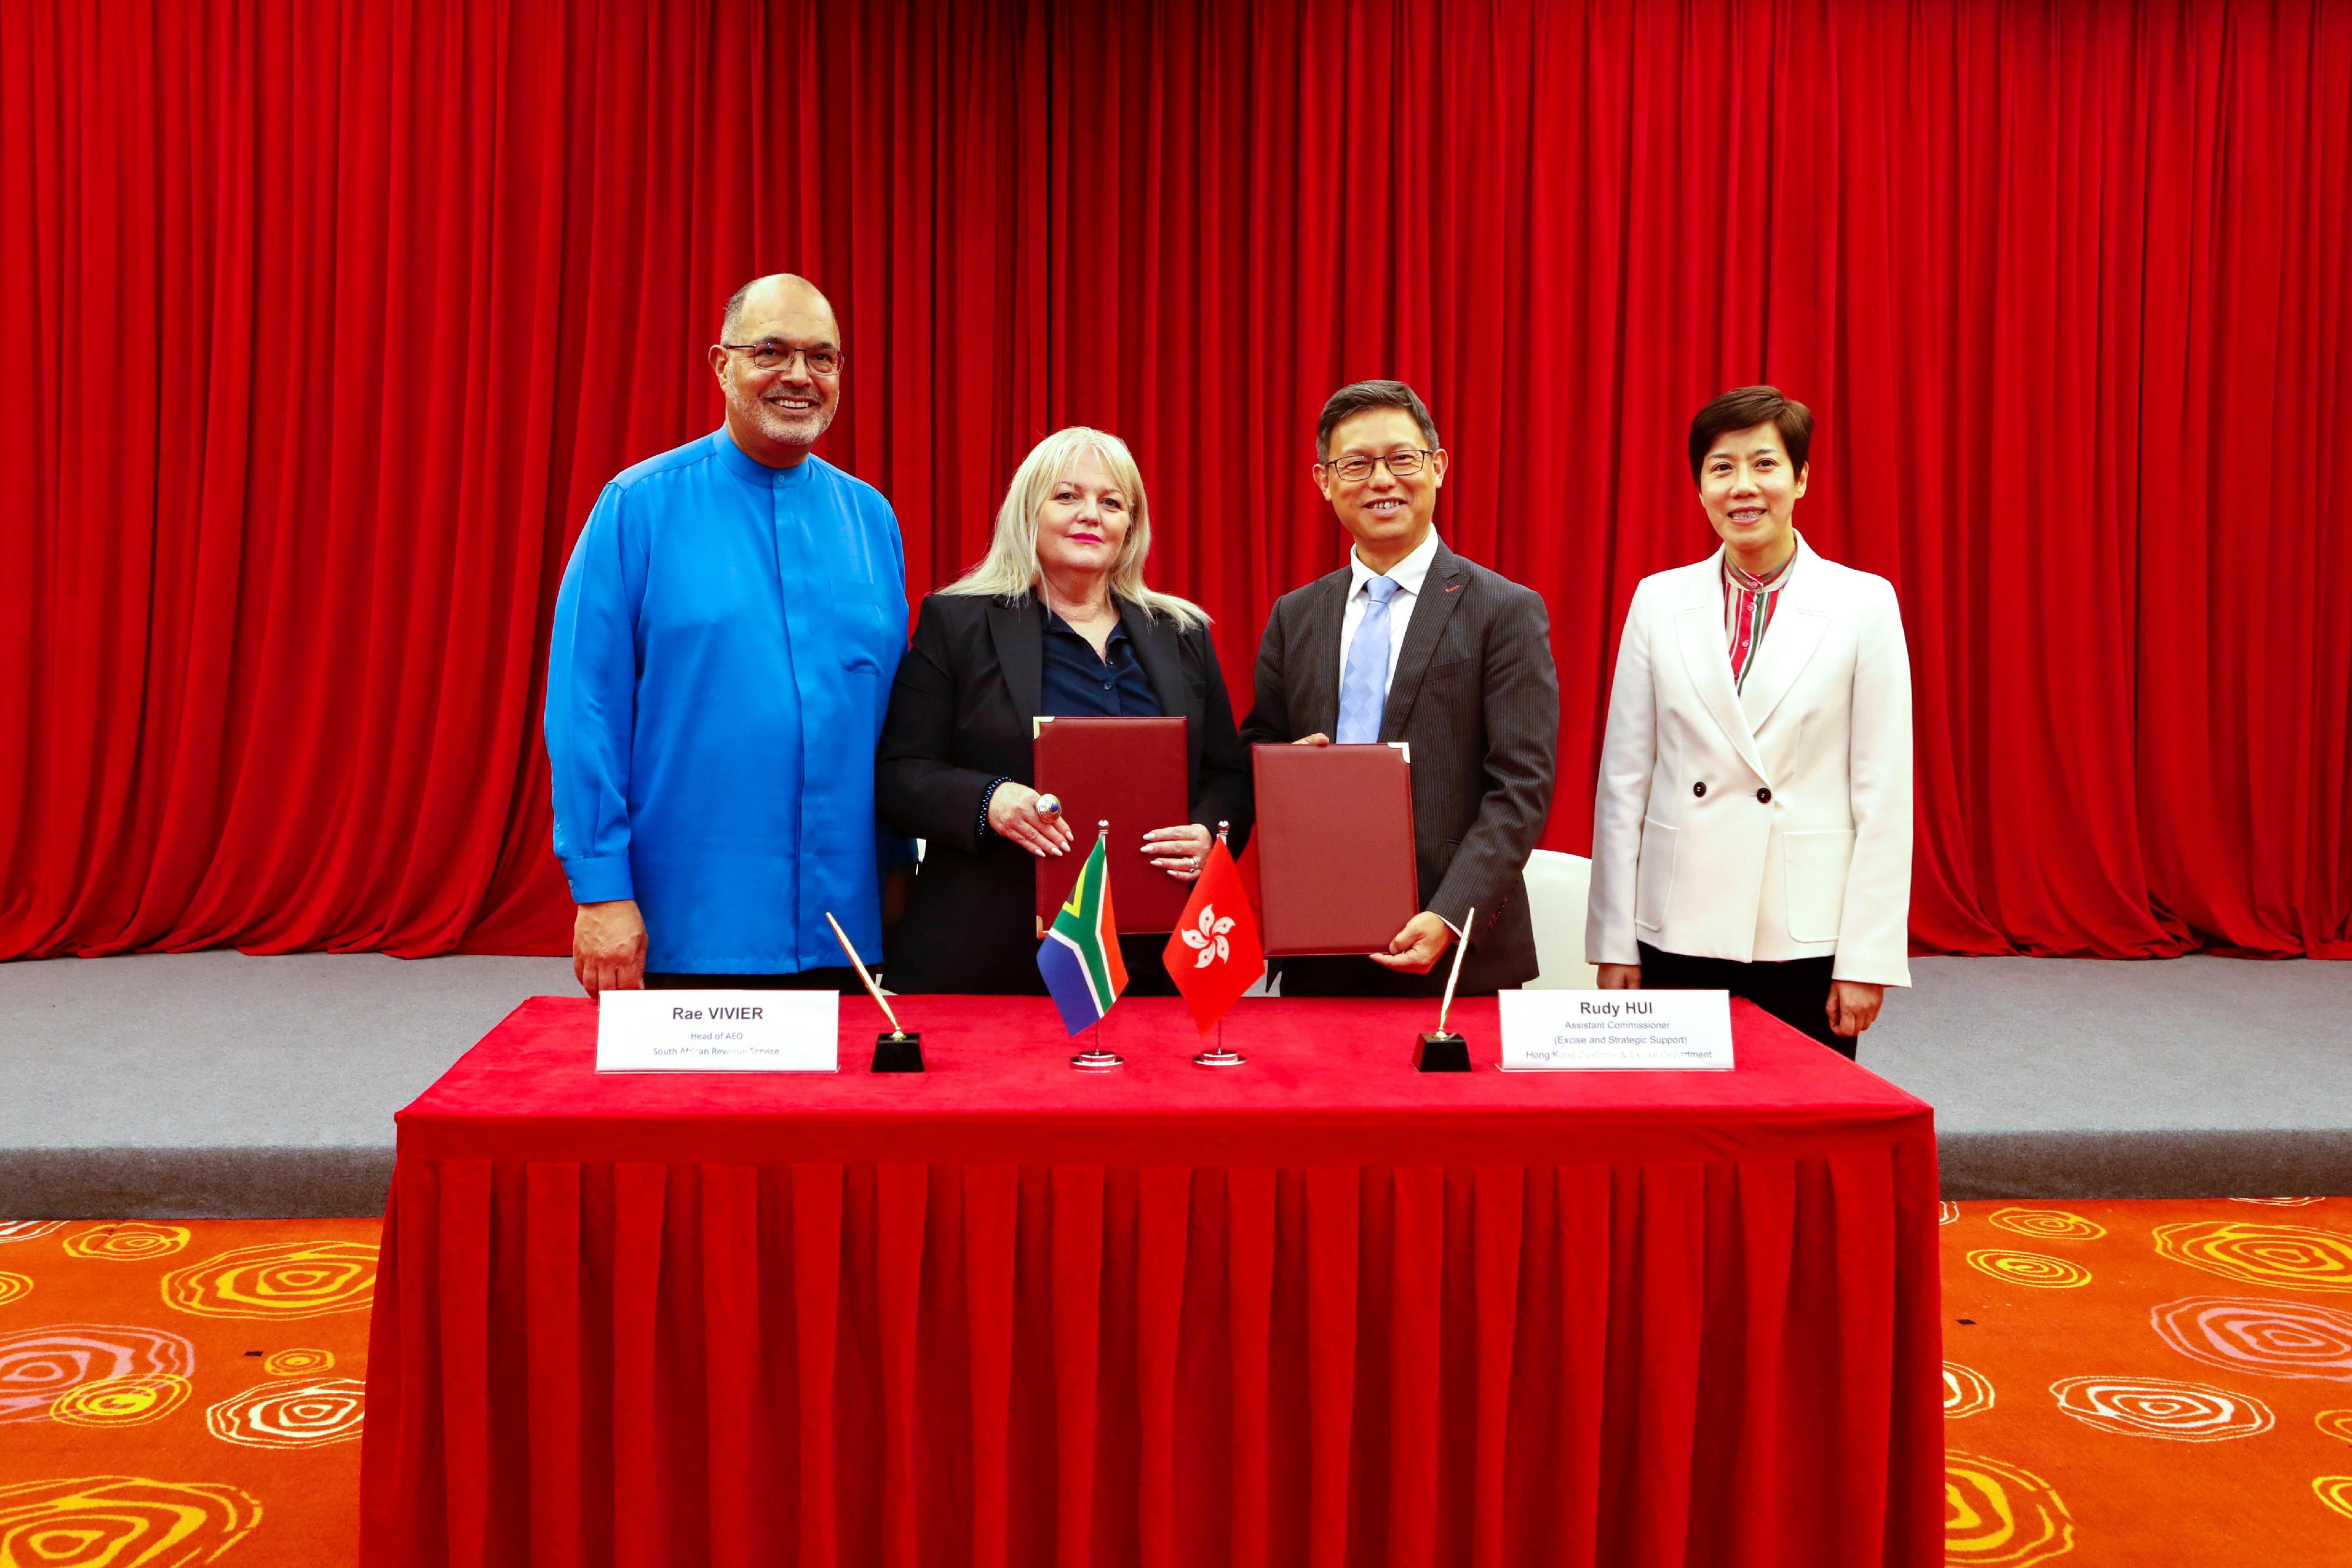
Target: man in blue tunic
724	644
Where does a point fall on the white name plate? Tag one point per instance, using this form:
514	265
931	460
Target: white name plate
1619	1032
718	1031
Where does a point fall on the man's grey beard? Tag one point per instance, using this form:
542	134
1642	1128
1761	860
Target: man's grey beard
792	430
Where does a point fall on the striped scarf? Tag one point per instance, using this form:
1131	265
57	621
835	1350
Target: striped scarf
1747	605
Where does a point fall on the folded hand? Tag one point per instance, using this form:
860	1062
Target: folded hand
1013	814
1180	851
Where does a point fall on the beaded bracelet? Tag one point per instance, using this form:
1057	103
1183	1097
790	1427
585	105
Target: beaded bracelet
986	796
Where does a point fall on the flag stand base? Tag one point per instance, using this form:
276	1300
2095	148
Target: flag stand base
1097	1060
1218	1056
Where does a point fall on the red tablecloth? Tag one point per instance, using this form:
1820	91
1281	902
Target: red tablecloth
1321	1309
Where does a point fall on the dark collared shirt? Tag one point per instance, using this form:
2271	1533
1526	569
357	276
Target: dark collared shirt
1077	685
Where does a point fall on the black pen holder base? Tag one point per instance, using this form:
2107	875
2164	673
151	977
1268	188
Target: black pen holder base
897	1053
1440	1053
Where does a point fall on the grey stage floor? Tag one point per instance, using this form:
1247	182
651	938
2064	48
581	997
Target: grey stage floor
214	1084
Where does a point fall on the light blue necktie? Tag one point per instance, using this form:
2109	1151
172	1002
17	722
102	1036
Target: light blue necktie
1364	684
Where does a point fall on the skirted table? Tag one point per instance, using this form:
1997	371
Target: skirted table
1321	1310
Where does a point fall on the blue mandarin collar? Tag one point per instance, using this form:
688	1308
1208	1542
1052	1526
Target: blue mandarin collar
751	470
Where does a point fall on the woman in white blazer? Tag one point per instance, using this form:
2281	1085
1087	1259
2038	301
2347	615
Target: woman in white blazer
1751	830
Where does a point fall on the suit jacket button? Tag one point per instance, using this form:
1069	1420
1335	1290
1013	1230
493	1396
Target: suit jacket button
1765	796
1699	787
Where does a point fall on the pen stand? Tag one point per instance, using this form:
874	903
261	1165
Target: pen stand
1440	1053
897	1053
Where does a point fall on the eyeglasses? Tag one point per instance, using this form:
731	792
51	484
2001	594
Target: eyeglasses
770	355
1403	463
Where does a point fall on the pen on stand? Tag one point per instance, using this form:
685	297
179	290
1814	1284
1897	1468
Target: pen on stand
871	988
1460	948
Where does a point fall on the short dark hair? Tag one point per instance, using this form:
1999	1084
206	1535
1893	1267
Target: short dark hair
1743	407
1356	397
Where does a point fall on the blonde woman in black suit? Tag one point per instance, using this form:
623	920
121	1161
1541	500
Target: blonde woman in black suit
1056	619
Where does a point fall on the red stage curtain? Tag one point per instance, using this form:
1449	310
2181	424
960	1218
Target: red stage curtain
321	325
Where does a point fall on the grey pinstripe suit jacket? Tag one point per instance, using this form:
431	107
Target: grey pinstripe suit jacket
1477	698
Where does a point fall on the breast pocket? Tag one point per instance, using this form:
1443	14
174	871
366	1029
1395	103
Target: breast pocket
1813	868
863	628
1653	882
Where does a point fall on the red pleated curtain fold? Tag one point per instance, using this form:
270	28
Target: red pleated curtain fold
321	325
819	1363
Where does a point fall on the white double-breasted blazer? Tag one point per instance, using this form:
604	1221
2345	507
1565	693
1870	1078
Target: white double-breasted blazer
1763	822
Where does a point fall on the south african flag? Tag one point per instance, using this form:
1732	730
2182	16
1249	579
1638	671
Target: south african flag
1079	956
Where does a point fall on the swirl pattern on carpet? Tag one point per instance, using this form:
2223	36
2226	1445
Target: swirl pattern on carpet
2162	1407
292	1413
2047	1224
2277	1339
121	1521
2300	1257
38	1364
2036	1270
28	1229
127	1241
133	1401
284	1280
1998	1515
1967	1392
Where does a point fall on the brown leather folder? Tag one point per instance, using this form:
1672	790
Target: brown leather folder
1334	841
1131	771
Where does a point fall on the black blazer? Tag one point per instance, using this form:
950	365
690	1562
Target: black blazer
1477	698
961	717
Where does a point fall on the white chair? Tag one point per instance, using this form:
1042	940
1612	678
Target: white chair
1557	885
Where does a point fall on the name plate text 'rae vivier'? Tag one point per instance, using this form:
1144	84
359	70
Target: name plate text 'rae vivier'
718	1031
1620	1031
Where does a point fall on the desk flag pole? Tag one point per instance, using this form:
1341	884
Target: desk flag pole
1079	958
1444	1052
1215	954
896	1052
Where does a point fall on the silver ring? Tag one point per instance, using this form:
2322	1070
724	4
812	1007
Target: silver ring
1195	862
1049	805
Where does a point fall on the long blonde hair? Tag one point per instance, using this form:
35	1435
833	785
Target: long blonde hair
1009	567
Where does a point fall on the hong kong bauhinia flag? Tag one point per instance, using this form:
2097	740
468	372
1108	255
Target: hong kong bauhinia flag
1213	955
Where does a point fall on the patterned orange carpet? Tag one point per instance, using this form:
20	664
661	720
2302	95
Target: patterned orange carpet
2159	1383
171	1391
2129	1385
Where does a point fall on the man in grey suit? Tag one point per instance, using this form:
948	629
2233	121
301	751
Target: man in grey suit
1409	642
